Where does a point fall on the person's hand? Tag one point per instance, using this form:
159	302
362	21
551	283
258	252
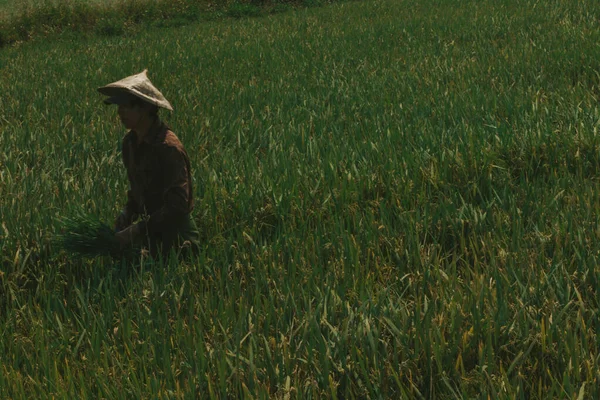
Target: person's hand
128	236
122	221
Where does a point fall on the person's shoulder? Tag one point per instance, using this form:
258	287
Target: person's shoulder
127	141
129	136
171	141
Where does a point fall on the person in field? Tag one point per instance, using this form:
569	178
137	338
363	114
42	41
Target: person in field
157	214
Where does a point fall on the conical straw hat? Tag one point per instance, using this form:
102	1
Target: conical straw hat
138	85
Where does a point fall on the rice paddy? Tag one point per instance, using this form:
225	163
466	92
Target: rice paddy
396	199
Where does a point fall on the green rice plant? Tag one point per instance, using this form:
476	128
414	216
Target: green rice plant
397	199
24	20
87	236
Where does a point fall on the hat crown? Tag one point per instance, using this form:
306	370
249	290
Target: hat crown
140	86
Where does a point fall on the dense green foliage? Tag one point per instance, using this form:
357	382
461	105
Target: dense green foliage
85	235
397	199
23	20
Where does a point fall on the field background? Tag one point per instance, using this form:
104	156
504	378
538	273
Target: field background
12	8
397	199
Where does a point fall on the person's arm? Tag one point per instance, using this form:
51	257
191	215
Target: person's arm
132	208
128	214
176	197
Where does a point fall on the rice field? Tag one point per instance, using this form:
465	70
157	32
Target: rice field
10	5
12	8
396	199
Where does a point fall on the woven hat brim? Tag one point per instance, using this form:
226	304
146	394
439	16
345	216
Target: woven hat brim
139	86
114	92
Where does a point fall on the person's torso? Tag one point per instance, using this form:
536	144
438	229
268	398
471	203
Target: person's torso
145	163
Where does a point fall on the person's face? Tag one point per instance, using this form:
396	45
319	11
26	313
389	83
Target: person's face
131	115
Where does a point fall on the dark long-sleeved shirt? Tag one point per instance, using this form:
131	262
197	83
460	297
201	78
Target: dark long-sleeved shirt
160	178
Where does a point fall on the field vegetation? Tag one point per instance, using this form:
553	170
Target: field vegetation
397	199
23	20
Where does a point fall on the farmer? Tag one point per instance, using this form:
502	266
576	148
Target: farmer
160	196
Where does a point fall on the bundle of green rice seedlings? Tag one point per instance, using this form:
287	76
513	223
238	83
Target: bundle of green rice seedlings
87	236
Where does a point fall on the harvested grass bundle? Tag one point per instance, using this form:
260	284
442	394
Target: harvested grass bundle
87	236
